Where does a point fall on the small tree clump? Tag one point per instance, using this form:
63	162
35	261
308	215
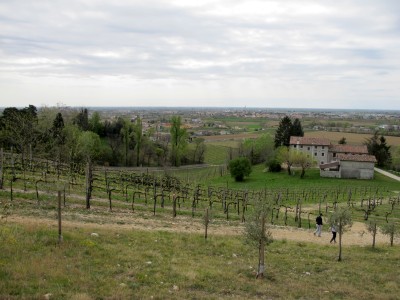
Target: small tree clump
239	168
274	166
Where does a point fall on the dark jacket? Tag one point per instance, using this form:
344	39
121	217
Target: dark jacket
318	220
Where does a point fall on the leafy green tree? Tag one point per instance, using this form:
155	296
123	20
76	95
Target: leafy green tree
126	135
112	132
82	119
95	124
257	150
239	168
19	128
138	136
302	160
58	139
72	134
282	134
342	141
341	219
199	150
396	159
274	165
287	156
89	144
377	146
257	231
178	140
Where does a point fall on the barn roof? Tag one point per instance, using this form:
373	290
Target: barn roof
360	149
357	157
301	140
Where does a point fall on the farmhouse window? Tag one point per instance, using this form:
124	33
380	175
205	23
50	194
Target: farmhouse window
334	154
323	147
322	154
315	153
308	148
301	147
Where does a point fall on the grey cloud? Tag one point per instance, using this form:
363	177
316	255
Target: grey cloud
156	40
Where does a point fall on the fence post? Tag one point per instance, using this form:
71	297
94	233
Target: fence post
60	238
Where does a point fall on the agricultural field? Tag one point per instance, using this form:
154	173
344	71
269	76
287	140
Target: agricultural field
78	231
351	138
144	235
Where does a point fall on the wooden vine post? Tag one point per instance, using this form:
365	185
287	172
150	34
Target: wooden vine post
174	205
12	164
89	183
11	189
60	237
206	222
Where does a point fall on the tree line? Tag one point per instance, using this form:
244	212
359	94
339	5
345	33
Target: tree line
74	136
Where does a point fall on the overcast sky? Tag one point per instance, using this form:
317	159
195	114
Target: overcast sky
292	53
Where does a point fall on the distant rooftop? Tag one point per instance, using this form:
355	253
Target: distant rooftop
301	140
357	157
361	149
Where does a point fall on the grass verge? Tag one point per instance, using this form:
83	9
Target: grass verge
123	264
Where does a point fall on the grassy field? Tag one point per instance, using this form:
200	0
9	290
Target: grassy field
260	179
127	264
128	258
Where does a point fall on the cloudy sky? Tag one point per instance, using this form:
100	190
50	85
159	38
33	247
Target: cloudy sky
254	53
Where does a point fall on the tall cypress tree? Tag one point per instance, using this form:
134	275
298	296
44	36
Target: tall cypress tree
297	129
282	134
377	146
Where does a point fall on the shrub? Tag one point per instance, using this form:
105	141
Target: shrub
274	166
239	168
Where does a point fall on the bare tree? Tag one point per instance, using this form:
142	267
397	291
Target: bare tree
372	229
341	219
392	230
257	231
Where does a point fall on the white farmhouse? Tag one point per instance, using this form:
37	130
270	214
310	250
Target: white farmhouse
340	161
316	147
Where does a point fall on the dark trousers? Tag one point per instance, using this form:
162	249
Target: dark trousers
333	239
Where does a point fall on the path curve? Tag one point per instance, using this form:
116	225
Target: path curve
390	175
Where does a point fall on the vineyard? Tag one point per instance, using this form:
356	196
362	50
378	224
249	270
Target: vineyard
143	235
180	191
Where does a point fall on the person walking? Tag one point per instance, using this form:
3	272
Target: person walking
333	230
319	224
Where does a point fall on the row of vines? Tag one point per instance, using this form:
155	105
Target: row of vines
160	192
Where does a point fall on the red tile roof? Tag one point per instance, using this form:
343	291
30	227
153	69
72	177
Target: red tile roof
357	157
349	149
301	140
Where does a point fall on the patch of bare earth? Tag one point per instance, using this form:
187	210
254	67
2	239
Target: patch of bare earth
357	235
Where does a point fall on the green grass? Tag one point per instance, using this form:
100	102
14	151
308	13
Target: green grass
260	179
124	264
216	154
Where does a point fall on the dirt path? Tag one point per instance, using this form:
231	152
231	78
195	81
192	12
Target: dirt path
357	235
390	175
